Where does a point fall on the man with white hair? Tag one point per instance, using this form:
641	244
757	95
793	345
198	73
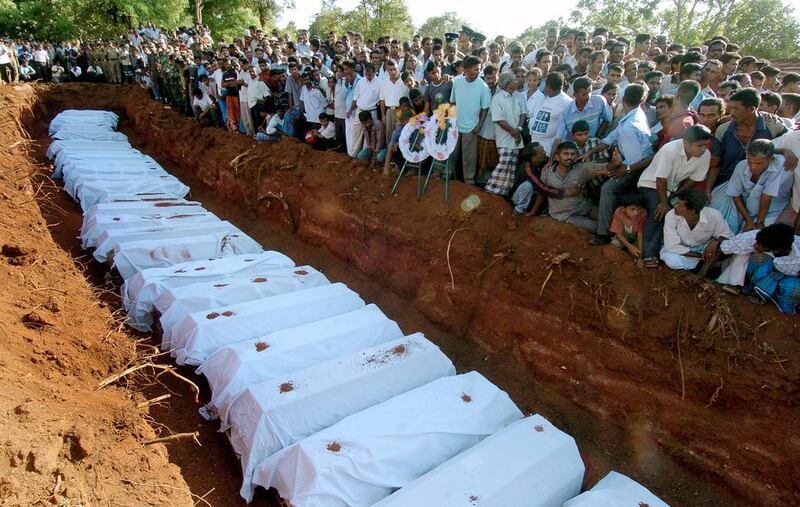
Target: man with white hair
508	116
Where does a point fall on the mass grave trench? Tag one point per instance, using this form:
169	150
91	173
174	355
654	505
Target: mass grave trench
571	332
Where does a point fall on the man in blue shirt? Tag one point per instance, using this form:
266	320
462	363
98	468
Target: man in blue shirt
631	137
592	109
472	98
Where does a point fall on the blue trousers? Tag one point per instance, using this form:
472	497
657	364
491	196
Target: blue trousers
772	285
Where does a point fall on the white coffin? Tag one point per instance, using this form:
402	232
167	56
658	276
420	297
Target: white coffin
364	457
84	146
135	256
112	238
616	490
200	334
139	292
160	203
175	304
97	157
529	462
233	368
75	179
113	166
89	193
103	223
274	414
83	117
100	134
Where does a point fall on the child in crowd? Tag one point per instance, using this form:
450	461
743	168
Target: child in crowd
272	127
324	137
627	226
580	135
532	158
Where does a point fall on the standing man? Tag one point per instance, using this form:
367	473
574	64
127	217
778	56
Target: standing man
365	99
472	98
508	116
392	90
546	110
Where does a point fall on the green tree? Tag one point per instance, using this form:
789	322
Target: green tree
331	18
538	34
437	26
376	18
765	28
626	17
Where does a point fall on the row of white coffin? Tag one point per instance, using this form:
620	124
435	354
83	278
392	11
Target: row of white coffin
322	395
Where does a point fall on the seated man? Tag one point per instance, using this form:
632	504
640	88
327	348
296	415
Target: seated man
759	188
403	113
571	205
692	232
323	137
26	72
767	263
204	108
372	143
678	165
271	128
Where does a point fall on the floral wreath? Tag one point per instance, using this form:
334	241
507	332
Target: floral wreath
443	132
412	139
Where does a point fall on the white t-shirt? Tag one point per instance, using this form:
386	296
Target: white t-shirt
314	103
328	132
545	116
202	103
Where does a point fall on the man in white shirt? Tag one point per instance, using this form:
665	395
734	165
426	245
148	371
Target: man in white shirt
257	91
6	68
365	98
312	100
689	229
204	108
545	111
507	116
391	91
677	166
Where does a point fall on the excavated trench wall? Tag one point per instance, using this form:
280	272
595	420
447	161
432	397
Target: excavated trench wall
687	373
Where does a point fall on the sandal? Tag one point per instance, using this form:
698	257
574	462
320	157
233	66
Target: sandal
651	262
731	289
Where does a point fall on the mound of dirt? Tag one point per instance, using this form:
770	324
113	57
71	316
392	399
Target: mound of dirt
63	441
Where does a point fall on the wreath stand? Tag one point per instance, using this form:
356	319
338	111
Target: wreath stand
418	166
443	165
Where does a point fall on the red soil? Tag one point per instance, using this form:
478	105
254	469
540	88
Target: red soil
64	441
595	349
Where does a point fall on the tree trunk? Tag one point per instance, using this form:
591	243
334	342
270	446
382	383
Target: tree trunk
198	12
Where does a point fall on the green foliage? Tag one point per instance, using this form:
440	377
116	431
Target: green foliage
538	34
437	26
764	28
36	19
373	18
331	18
620	16
776	36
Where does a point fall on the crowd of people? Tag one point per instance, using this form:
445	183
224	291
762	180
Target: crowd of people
682	156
